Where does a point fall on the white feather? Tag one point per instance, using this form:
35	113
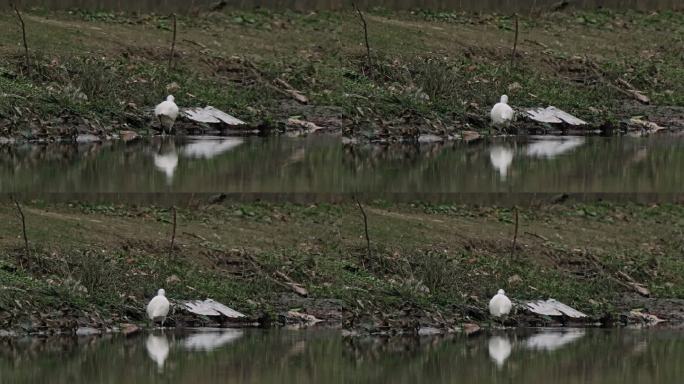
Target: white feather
167	112
158	307
502	113
500	305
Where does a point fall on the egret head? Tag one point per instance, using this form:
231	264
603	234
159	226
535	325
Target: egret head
504	99
161	292
172	99
500	292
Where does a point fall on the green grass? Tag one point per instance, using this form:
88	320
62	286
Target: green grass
441	68
109	260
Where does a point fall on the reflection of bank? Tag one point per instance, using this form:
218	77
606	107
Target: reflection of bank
550	147
166	158
204	341
500	348
209	341
553	340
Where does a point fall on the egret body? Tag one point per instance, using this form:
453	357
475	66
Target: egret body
166	112
500	305
502	113
158	307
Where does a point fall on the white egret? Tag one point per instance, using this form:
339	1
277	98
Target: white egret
166	112
158	349
502	114
501	159
158	307
499	349
500	305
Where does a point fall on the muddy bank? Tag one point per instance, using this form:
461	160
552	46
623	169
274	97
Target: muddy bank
429	266
432	75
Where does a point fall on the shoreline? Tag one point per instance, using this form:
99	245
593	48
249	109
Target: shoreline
100	73
97	264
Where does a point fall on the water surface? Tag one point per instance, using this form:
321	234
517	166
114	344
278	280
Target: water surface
280	356
322	164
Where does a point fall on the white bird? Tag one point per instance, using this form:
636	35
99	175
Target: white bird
499	349
502	114
500	305
166	112
158	307
158	349
501	159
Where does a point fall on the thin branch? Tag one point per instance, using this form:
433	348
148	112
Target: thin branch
173	233
365	226
515	42
515	234
23	228
173	42
23	34
365	35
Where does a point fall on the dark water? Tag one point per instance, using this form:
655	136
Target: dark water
459	5
322	164
277	356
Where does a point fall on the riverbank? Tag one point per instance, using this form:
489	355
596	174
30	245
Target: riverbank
428	265
430	73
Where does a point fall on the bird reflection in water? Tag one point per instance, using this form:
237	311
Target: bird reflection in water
158	349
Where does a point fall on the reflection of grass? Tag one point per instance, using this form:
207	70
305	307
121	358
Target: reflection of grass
112	258
447	68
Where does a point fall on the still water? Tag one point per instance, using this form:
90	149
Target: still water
322	164
278	356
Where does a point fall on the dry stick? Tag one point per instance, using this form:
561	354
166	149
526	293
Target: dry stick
23	34
515	42
515	234
365	226
365	35
173	42
23	228
173	233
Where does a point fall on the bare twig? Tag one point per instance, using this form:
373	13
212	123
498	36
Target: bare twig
365	35
515	42
173	42
515	234
365	226
173	233
23	228
23	34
